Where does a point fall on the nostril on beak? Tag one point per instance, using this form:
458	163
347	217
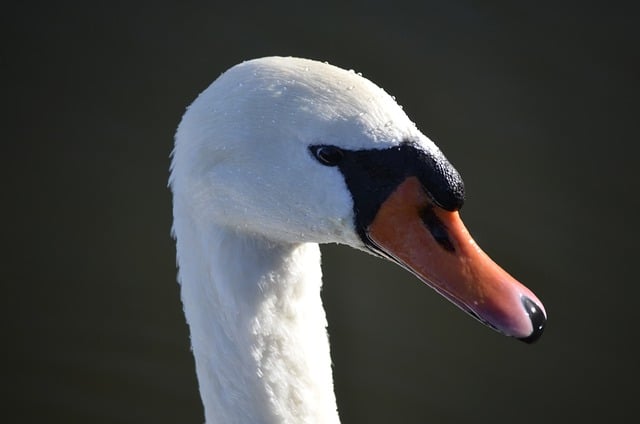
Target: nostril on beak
537	317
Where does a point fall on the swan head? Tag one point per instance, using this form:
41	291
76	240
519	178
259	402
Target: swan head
296	151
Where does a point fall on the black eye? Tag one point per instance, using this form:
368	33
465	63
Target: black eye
327	155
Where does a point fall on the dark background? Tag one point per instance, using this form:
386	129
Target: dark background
536	103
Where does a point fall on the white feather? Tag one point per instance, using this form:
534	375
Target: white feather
250	204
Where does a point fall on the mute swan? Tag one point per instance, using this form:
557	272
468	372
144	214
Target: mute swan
276	156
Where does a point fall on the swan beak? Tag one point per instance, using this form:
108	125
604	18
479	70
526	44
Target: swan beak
434	244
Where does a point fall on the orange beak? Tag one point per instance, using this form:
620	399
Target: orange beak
435	246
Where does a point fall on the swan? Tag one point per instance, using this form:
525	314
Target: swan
276	156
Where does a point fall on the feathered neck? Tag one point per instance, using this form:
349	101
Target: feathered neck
258	328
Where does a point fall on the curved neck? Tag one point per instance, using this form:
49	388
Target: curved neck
258	328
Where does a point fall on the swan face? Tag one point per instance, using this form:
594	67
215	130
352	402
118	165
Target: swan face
245	144
295	150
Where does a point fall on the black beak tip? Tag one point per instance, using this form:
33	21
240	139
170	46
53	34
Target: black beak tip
537	317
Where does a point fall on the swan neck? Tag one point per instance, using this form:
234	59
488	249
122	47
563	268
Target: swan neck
258	328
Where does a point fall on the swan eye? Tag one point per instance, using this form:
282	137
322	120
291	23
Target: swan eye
327	155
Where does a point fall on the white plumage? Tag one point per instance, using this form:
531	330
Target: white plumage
250	206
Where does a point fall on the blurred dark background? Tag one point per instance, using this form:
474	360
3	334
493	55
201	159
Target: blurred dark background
536	103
